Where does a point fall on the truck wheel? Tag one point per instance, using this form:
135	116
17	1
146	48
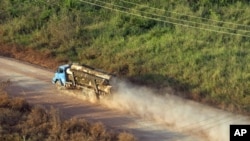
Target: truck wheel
101	95
58	85
104	95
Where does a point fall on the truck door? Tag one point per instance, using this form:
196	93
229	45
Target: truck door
60	76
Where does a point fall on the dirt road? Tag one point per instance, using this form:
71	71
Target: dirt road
146	123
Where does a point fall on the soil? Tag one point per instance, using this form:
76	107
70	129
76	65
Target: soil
34	84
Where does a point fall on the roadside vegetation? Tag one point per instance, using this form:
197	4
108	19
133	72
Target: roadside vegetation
199	48
20	121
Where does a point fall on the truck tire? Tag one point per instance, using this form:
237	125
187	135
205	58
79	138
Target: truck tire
59	85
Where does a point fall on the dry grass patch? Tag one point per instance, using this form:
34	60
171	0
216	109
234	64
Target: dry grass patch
20	121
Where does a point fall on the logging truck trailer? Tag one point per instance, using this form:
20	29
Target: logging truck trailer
83	77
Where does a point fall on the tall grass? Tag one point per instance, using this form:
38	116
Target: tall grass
206	66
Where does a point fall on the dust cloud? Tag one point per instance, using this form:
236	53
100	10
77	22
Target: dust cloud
173	112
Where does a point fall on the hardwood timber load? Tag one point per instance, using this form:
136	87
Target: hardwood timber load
82	76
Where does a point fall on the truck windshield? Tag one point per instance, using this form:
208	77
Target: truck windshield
60	70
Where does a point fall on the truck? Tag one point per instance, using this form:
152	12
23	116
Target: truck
75	76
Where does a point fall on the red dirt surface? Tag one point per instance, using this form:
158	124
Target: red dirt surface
44	59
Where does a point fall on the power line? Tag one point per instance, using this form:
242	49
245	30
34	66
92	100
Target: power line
197	17
165	21
174	18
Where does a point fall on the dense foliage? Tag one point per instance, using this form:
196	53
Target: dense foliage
200	47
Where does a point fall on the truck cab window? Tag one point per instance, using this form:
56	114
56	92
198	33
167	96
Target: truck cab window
59	70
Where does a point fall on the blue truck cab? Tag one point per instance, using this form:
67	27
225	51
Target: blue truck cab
61	75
